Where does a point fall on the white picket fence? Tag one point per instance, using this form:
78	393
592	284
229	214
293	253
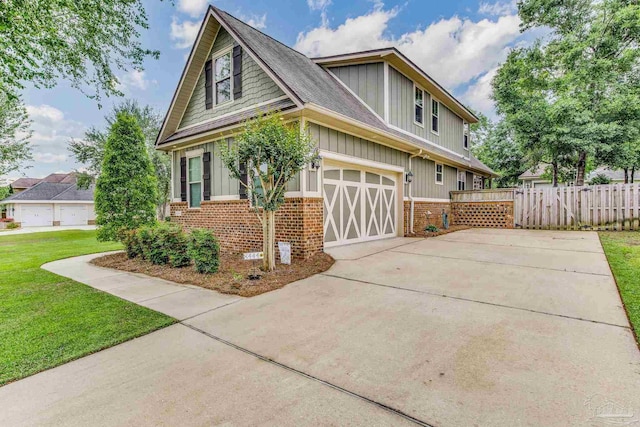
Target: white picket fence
597	207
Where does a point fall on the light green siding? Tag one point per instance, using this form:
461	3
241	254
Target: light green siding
257	87
367	81
424	179
469	183
402	112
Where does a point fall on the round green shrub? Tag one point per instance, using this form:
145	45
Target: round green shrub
204	250
131	242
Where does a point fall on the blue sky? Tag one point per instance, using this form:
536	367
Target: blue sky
459	43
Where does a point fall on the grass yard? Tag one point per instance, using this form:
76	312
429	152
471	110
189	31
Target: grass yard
623	252
47	320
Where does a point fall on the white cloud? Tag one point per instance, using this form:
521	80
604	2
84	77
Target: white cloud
51	134
193	8
498	8
478	94
183	33
134	79
256	21
49	157
455	51
318	4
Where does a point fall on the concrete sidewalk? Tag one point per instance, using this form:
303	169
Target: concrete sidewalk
173	299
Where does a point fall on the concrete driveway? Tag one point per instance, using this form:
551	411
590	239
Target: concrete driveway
479	327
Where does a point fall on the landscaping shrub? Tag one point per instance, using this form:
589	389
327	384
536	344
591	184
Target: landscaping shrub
146	236
161	244
204	250
431	228
176	245
131	241
12	226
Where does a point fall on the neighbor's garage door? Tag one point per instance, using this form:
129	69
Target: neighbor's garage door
36	215
359	205
73	215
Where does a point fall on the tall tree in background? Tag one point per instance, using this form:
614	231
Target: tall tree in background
90	150
14	134
591	58
126	189
85	42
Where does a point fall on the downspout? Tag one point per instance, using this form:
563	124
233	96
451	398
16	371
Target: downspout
412	204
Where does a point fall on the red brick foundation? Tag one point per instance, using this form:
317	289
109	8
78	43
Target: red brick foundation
498	214
299	221
425	213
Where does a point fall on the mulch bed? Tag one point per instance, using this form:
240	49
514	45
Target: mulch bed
440	232
232	276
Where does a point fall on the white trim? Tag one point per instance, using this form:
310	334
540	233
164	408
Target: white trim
292	194
223	198
173	174
428	199
434	99
217	55
386	91
329	59
241	110
458	170
344	85
426	141
194	153
415	86
329	155
435	168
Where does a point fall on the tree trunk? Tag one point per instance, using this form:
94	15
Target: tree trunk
626	175
633	173
555	174
582	164
268	240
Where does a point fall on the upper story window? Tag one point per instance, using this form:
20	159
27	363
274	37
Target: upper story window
439	173
419	106
435	114
194	176
462	180
465	135
222	67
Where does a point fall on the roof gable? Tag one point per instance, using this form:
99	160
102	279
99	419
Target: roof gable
52	191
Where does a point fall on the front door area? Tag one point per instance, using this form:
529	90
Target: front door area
359	205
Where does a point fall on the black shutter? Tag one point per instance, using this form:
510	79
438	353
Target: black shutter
237	71
183	179
208	84
206	176
243	179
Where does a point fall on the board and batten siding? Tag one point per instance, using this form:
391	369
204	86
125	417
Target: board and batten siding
366	81
257	87
221	183
402	111
424	179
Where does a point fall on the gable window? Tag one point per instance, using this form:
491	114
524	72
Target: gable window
222	68
462	180
439	173
419	106
435	113
465	135
194	176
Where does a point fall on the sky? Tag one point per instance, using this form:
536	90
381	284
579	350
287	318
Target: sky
459	43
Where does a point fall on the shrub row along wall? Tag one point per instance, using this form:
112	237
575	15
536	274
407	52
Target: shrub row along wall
492	214
299	221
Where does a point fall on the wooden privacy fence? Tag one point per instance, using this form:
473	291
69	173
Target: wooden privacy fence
606	207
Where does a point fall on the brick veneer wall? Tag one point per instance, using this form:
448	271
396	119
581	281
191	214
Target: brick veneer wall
299	221
425	213
494	214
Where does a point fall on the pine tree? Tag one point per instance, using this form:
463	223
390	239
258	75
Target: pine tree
125	193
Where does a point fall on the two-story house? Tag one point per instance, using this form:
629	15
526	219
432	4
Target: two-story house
393	142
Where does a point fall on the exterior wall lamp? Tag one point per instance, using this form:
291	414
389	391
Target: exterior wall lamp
408	177
316	161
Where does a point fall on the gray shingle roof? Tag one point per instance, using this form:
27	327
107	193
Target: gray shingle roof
50	191
25	182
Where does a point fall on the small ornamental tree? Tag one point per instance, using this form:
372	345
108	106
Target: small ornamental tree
125	193
272	152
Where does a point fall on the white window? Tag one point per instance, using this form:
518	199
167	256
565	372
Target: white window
222	78
435	112
465	135
418	96
194	178
439	173
462	180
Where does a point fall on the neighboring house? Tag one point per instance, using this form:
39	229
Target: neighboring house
22	184
50	203
616	176
534	178
393	142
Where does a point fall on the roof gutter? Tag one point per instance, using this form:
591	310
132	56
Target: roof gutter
412	202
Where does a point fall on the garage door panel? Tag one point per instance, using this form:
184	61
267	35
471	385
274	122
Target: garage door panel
37	216
73	215
359	205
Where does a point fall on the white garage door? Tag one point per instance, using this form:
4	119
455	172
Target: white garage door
36	216
359	205
73	215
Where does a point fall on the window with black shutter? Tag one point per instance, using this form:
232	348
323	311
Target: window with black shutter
183	179
237	71
208	84
243	191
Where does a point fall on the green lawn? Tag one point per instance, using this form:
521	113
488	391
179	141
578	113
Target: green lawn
46	319
623	252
